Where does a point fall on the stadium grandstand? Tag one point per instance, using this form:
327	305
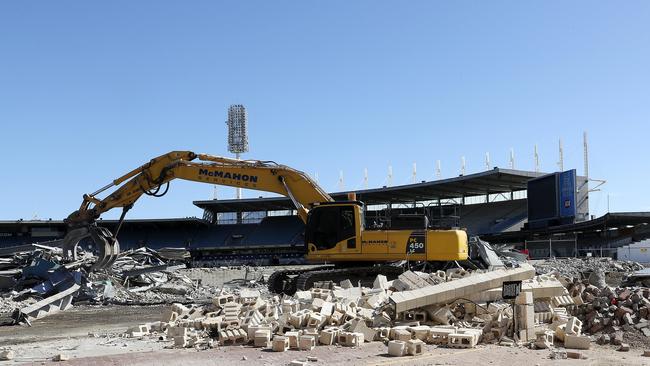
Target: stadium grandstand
492	204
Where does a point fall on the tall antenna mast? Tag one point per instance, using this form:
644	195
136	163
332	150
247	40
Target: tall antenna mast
487	161
341	183
586	153
438	169
560	163
536	160
237	132
316	177
512	158
389	179
462	165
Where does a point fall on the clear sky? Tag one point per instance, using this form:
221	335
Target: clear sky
90	90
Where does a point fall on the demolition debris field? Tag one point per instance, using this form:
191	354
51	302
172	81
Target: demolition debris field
150	309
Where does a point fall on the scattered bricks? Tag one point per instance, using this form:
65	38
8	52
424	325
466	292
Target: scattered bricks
574	355
365	313
350	339
262	338
396	348
252	317
303	295
337	318
544	339
61	357
220	301
138	330
180	309
346	284
400	334
315	320
7	355
306	343
382	333
327	308
231	312
443	315
289	306
317	304
477	333
380	282
415	347
458	340
420	332
624	347
293	338
328	337
298	363
576	341
560	332
573	326
298	319
231	337
359	326
439	335
250	332
280	344
321	293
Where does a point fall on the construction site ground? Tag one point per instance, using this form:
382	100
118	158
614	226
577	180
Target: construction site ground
90	335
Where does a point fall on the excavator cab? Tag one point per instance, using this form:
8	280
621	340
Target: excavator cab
334	227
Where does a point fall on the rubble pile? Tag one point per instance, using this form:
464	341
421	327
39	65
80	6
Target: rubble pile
575	267
35	283
456	309
610	313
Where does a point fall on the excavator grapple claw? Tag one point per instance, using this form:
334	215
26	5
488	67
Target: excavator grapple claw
107	247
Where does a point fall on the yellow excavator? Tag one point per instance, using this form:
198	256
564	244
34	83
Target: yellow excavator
335	231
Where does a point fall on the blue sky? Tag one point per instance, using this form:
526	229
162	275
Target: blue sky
90	90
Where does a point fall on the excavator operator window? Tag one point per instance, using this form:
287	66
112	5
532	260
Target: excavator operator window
327	226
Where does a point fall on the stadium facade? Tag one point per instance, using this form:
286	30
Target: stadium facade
492	204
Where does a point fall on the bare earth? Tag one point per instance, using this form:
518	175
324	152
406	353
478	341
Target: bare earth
91	336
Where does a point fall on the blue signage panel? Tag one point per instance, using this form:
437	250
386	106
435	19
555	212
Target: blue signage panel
567	196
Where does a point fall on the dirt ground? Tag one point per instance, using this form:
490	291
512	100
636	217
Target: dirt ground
91	336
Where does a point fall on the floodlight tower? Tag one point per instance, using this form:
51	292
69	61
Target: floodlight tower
237	132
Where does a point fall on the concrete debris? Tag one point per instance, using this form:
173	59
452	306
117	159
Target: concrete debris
7	355
41	282
575	267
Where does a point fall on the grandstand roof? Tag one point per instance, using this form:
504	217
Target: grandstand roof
496	180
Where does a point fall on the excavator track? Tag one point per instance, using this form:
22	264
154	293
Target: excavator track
284	282
290	281
365	275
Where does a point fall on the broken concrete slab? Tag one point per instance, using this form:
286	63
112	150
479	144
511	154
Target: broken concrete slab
446	292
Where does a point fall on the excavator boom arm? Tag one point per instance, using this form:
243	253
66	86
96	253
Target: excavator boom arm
250	174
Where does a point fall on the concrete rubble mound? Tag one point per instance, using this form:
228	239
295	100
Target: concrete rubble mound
455	309
36	283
